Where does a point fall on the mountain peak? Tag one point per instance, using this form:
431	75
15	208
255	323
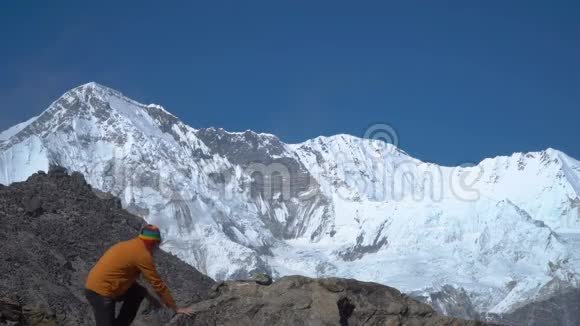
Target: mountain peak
91	85
93	89
95	86
349	143
102	92
96	110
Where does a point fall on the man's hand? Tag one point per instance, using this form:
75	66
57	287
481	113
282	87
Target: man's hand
184	311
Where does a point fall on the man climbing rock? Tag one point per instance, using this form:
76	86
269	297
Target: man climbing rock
114	279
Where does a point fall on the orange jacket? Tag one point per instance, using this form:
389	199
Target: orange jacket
120	267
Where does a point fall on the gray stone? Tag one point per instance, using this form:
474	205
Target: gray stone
297	300
559	310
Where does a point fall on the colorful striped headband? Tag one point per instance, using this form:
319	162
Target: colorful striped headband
150	232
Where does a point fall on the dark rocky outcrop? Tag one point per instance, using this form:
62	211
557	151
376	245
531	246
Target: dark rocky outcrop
278	177
53	228
297	300
449	301
14	314
560	310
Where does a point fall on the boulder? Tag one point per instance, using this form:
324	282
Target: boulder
297	300
13	314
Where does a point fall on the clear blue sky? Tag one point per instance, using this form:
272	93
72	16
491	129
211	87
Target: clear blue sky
459	80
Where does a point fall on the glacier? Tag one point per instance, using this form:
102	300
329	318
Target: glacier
231	203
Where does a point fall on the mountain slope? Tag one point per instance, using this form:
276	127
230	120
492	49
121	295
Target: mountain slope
54	228
233	203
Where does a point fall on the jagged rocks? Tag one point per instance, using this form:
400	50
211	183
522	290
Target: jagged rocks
449	301
13	314
10	312
297	300
32	206
559	310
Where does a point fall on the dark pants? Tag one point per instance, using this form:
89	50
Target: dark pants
104	308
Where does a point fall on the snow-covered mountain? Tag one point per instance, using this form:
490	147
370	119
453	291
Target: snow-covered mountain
502	232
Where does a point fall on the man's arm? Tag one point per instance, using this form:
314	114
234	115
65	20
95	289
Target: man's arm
147	267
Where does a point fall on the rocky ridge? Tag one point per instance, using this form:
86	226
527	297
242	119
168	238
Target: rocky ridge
53	229
297	300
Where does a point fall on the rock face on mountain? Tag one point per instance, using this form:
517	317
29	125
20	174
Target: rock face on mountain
234	203
296	300
53	229
450	302
560	310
